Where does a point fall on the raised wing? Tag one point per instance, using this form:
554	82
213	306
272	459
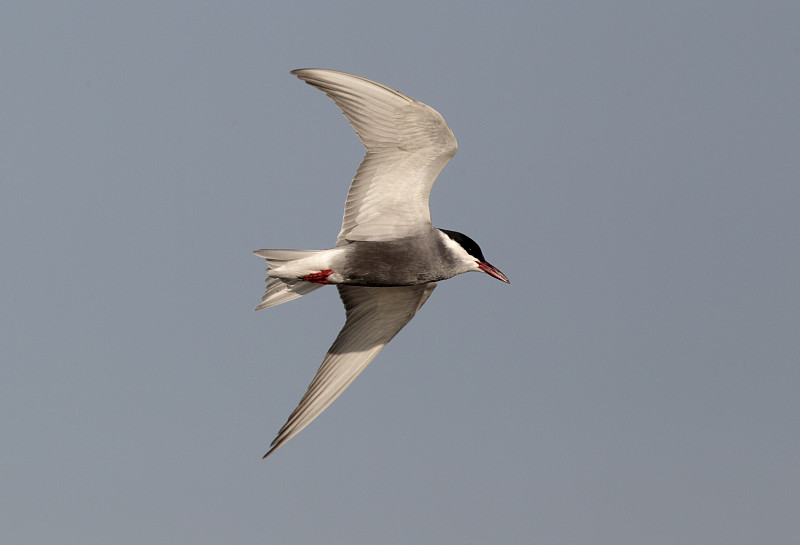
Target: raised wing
408	144
374	317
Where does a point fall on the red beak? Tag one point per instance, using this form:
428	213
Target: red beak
491	270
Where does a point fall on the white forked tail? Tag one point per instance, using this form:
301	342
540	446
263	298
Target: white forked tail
281	290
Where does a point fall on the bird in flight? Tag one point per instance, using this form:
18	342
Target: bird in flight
388	257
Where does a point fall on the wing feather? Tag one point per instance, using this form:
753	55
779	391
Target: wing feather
408	144
374	317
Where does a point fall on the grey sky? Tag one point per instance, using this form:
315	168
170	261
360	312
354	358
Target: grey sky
632	167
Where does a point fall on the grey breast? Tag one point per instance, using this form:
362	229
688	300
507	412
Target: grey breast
403	262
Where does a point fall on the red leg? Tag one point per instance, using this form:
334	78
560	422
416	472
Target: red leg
319	278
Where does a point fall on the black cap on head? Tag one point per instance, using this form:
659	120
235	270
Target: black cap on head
467	243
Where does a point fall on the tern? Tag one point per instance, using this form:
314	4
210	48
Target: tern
388	256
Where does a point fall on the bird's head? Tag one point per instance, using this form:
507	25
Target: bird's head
468	251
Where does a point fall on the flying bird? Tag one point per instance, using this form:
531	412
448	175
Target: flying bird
388	256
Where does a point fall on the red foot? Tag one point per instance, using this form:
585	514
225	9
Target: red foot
319	278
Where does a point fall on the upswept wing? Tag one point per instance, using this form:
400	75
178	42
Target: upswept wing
408	144
374	317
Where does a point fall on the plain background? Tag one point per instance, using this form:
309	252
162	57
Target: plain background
633	167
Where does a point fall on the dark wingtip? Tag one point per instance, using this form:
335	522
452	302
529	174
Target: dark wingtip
272	448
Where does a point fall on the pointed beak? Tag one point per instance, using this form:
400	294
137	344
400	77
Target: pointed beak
492	271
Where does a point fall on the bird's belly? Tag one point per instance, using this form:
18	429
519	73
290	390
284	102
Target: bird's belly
388	278
396	263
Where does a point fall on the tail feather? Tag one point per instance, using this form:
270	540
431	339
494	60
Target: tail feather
281	290
279	257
